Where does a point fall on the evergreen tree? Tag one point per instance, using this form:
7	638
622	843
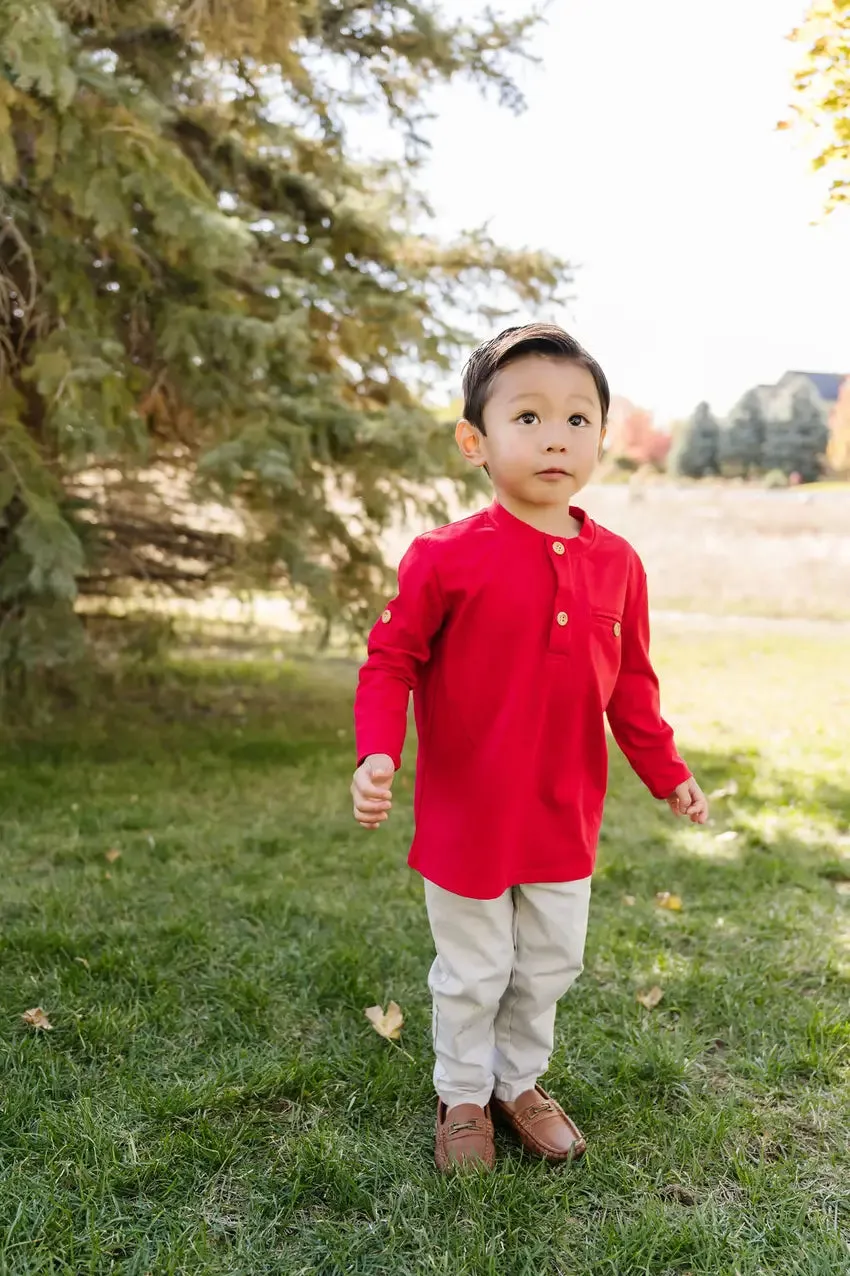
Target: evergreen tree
206	305
695	451
796	440
742	440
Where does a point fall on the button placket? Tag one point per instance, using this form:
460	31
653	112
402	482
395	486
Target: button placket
560	632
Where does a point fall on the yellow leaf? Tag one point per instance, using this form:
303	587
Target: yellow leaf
629	901
113	855
386	1025
82	962
671	902
37	1019
650	999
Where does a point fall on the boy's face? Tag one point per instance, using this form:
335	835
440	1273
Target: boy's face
543	431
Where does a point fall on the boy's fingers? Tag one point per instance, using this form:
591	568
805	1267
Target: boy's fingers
365	812
369	804
367	793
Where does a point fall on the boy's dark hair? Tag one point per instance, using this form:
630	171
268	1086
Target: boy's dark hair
513	343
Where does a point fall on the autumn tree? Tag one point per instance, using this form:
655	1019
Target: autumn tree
634	437
822	89
216	327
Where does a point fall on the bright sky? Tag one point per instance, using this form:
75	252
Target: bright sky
648	156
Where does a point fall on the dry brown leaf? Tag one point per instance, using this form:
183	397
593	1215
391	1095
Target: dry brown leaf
629	901
36	1018
676	1192
650	999
386	1025
112	855
82	961
671	902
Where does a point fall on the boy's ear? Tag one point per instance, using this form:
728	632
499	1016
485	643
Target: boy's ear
468	439
602	441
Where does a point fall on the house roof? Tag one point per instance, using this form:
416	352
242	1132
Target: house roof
827	384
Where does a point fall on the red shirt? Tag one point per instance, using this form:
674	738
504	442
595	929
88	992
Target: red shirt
515	644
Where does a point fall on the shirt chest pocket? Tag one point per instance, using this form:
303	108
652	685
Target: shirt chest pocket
606	638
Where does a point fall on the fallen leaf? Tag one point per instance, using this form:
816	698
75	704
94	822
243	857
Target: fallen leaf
108	877
650	999
113	855
672	902
629	901
728	836
82	962
386	1025
37	1019
843	888
676	1192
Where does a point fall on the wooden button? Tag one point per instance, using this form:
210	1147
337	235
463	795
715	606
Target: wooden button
616	629
387	616
562	618
558	547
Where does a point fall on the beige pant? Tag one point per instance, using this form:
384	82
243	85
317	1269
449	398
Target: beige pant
501	966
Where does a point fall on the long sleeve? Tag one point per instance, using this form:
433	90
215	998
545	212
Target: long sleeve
399	645
634	711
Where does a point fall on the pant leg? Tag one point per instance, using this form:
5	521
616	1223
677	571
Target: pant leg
475	954
550	926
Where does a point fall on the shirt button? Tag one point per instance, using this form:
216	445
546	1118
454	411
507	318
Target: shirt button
558	547
562	618
387	616
617	629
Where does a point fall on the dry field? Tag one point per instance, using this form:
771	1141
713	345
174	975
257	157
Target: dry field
730	551
714	554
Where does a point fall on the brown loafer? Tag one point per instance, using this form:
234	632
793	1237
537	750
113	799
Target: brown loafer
542	1126
464	1137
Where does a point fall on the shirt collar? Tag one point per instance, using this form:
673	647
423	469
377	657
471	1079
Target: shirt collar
508	522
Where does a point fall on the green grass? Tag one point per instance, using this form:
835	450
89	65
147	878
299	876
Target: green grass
211	1098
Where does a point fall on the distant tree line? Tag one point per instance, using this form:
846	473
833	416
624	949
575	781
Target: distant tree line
788	435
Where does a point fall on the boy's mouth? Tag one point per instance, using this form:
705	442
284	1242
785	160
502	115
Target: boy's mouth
554	471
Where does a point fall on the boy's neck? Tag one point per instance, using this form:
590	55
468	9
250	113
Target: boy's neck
552	520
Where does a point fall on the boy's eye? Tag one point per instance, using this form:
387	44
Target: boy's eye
578	419
527	418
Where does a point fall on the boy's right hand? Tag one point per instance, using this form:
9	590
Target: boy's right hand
371	790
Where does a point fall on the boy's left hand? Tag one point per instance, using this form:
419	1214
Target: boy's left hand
689	800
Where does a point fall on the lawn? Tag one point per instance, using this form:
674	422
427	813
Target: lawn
211	1098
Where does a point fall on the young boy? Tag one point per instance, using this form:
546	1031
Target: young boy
516	629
